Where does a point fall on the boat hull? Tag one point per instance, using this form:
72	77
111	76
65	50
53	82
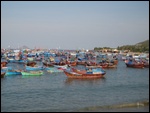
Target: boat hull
13	73
77	75
135	65
31	74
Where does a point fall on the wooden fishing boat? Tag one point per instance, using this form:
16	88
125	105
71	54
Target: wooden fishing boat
10	60
31	63
61	67
20	61
6	68
89	70
135	65
98	66
48	64
32	73
81	62
72	74
16	61
29	68
78	71
2	74
12	73
71	63
53	70
91	63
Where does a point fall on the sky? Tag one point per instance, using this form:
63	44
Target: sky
73	24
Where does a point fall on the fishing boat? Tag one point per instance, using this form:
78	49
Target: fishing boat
31	63
32	73
84	74
61	67
136	65
48	64
71	63
81	62
29	68
16	61
53	70
89	70
6	68
12	73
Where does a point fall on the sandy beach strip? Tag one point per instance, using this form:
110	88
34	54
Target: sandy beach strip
127	107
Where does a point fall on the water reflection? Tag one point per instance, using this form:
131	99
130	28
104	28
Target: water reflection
31	76
89	80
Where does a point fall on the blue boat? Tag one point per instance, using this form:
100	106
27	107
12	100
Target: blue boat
12	73
6	68
16	61
53	69
29	68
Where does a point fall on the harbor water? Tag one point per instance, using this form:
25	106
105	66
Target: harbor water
54	92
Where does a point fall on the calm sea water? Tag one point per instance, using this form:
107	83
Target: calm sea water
55	92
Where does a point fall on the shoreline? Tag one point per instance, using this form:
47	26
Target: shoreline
142	106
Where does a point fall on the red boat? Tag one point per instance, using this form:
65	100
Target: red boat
83	74
135	65
3	64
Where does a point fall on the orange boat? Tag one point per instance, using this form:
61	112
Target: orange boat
83	74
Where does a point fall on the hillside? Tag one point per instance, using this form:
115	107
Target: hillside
139	47
144	43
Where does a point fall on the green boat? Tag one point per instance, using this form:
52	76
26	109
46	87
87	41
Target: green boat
33	73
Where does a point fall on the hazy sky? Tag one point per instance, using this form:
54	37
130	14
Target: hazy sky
73	24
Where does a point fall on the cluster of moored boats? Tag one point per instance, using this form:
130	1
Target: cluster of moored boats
65	61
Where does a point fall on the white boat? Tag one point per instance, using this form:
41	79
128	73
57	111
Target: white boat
62	67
